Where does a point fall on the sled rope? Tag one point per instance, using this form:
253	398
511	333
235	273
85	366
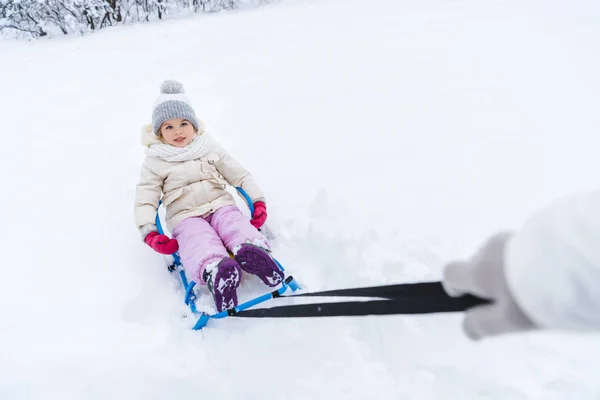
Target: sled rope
408	298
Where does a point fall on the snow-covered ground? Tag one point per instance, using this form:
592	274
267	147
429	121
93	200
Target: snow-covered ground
390	137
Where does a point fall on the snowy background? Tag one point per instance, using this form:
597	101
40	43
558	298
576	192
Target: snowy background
390	137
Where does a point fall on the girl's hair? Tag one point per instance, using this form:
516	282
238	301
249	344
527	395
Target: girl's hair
160	136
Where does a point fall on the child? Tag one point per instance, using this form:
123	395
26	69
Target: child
185	165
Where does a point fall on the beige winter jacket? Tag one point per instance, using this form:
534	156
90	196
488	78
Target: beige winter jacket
188	188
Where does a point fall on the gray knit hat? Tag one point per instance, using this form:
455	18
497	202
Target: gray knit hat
172	103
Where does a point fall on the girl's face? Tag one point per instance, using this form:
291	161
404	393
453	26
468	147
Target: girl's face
178	132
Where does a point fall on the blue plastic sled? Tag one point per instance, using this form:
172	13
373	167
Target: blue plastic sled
190	295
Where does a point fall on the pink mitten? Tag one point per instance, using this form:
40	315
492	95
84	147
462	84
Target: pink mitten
260	214
161	243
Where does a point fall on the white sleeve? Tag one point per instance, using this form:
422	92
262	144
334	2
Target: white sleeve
147	196
553	264
238	176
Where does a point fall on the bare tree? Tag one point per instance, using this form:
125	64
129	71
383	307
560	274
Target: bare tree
37	18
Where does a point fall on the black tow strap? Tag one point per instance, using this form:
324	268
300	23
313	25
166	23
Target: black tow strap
408	298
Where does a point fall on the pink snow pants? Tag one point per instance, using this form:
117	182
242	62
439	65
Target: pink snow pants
204	240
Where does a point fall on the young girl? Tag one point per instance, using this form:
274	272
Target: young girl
186	166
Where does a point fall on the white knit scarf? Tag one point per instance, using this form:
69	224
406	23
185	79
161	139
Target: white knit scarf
199	147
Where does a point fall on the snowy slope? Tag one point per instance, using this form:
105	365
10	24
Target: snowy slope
389	136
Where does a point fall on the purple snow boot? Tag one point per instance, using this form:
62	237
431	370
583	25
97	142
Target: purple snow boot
223	281
257	261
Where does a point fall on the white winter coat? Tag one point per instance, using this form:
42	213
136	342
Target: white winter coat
188	188
553	264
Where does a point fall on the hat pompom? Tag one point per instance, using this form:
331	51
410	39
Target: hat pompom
171	87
